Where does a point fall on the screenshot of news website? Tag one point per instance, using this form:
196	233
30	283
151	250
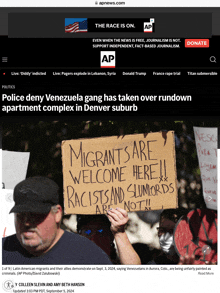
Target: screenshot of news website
66	73
128	62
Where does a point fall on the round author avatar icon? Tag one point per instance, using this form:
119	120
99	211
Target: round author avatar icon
8	285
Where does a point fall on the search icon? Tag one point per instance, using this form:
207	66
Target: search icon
212	59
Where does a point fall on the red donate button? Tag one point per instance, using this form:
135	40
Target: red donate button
197	43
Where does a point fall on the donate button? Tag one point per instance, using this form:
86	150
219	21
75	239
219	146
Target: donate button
197	43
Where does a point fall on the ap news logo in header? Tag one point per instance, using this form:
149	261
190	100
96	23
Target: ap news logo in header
107	59
149	26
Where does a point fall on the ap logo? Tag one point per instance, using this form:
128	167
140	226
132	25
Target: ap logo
107	59
149	26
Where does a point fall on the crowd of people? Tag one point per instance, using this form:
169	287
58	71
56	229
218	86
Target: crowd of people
100	239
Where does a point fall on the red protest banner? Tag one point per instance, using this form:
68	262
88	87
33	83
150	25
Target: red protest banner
196	233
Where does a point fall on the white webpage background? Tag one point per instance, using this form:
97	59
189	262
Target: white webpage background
96	3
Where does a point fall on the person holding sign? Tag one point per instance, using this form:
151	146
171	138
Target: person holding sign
187	237
103	229
39	238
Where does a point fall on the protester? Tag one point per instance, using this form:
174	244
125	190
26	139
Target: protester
168	220
97	229
39	238
103	229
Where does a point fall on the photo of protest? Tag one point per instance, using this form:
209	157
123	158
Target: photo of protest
109	192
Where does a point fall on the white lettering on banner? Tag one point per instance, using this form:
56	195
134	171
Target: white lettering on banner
206	144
